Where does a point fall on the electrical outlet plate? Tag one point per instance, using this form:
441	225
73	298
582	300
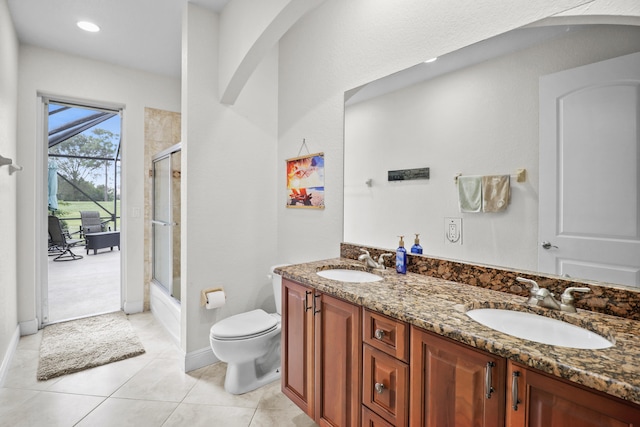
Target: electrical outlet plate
453	231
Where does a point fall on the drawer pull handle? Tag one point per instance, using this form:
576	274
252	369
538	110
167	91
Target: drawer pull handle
379	334
379	388
306	299
488	379
514	390
316	307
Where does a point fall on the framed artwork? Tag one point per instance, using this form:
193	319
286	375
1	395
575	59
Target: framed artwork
305	182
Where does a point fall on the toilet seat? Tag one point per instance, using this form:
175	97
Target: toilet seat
244	325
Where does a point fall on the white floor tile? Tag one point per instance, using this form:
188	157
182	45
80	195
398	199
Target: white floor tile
145	391
103	380
51	410
129	413
161	379
209	390
209	416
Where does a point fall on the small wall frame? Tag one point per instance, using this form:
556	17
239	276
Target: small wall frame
305	182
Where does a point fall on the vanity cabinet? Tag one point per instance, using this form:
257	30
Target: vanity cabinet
385	371
321	354
348	366
535	399
453	384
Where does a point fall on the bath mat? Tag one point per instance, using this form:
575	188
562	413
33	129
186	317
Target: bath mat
76	345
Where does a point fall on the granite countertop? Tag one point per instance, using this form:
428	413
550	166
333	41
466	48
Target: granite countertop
439	306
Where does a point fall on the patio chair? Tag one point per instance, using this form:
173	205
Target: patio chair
91	222
58	239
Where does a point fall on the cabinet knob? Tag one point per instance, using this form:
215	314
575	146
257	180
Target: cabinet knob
379	388
379	334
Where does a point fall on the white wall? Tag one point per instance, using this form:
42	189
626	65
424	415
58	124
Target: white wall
63	75
228	173
8	148
481	120
344	44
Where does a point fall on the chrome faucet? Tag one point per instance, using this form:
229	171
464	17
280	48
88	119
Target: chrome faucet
541	297
566	300
532	292
370	262
546	299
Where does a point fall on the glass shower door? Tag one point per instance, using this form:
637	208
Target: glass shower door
165	229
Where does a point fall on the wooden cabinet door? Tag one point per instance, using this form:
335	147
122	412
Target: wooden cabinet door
338	346
297	345
454	385
535	399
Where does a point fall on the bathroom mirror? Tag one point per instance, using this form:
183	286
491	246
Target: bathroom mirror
472	112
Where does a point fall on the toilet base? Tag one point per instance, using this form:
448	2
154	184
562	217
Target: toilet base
241	378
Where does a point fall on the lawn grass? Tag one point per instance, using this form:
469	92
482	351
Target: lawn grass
69	213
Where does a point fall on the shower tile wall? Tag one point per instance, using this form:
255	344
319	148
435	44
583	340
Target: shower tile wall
161	131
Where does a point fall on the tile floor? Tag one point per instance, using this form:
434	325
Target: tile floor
145	391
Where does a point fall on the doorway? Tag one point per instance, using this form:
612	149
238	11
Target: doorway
166	220
589	224
83	179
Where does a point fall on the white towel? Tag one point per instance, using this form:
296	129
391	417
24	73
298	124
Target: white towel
470	193
496	192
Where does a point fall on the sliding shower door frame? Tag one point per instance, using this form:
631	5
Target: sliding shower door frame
163	221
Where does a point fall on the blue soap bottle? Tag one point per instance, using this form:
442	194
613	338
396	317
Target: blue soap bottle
401	257
416	248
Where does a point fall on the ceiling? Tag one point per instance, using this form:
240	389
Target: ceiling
139	34
503	44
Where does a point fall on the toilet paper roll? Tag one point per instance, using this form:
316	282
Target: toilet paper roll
215	299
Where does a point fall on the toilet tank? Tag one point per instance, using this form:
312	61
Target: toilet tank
276	280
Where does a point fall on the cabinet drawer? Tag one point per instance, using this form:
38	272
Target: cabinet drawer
371	419
385	386
386	334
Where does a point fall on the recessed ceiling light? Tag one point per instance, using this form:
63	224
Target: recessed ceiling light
88	26
431	60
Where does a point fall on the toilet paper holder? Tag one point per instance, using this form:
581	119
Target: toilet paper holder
204	297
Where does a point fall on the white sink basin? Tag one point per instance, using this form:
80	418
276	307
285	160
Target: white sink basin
354	276
537	328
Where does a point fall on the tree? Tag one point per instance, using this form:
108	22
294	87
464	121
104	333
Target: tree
83	167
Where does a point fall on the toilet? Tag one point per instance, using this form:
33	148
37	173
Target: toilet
250	345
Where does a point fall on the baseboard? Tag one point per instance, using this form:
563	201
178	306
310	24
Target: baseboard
133	307
199	359
29	327
8	356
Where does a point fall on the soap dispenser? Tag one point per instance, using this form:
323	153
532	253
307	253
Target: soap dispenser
401	257
416	248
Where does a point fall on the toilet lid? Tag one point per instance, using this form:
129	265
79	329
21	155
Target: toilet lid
255	322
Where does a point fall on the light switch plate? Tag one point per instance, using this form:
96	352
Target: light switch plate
453	231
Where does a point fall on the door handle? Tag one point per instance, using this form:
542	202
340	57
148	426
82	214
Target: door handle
164	223
488	379
316	306
548	245
514	390
306	306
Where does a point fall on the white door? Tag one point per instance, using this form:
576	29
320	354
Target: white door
589	222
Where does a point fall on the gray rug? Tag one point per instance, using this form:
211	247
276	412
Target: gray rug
86	343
